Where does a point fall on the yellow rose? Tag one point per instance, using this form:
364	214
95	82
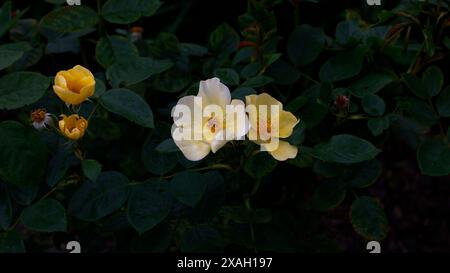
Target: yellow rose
75	85
206	122
73	126
266	128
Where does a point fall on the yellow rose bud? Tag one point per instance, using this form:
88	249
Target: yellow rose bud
73	126
75	85
266	128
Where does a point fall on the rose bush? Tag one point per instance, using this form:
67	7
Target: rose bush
93	157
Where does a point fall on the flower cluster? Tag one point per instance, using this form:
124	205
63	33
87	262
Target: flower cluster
73	86
207	121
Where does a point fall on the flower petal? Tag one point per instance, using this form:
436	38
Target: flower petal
284	151
213	92
287	123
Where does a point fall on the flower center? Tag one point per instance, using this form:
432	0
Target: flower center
38	115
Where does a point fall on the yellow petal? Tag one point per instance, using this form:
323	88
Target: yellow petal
87	91
60	81
83	71
284	151
68	96
287	123
213	92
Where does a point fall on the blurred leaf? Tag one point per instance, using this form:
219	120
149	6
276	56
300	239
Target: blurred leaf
45	216
69	19
378	125
156	240
188	187
23	155
213	198
5	207
5	17
227	76
305	44
149	204
370	84
344	65
416	85
21	88
241	92
345	149
12	52
258	81
202	239
94	200
348	32
128	104
283	73
24	195
135	70
91	169
110	49
433	79
443	103
260	165
373	105
365	174
11	242
420	111
128	11
368	218
167	146
328	195
433	158
224	39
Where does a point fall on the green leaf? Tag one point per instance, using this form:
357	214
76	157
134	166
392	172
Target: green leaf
213	198
21	88
242	215
23	155
91	169
110	49
258	81
10	53
94	200
11	242
378	125
433	158
260	165
344	65
128	11
328	195
224	39
5	207
305	44
227	75
156	240
69	19
447	42
283	73
188	187
416	85
365	174
100	88
45	216
443	103
348	32
202	239
135	70
345	149
433	79
128	104
149	204
241	92
420	111
156	162
59	165
368	218
167	146
24	195
5	17
373	105
370	84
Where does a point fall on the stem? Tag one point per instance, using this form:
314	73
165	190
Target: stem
93	110
308	77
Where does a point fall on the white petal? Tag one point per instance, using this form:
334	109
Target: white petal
213	91
218	142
